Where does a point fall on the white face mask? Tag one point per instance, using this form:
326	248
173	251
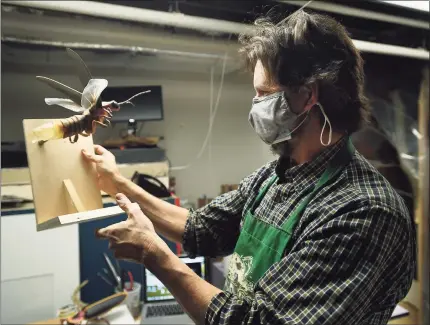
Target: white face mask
273	120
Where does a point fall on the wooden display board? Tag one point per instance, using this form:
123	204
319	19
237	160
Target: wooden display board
64	185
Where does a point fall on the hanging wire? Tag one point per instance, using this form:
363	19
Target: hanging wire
214	108
301	8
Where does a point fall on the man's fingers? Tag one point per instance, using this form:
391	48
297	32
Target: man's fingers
91	157
99	150
125	204
111	232
113	245
122	200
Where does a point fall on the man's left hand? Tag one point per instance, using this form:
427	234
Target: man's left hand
134	239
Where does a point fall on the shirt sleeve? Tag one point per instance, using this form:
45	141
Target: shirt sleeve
336	274
213	230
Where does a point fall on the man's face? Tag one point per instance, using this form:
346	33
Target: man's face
262	85
297	101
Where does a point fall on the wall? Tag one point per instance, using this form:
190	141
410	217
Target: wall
234	151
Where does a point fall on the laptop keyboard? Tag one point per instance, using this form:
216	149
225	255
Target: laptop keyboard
164	310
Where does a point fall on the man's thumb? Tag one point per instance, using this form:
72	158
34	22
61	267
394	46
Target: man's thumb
111	231
122	200
90	156
125	204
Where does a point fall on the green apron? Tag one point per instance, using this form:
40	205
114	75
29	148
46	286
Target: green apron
260	245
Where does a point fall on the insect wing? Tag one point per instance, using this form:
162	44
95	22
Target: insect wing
84	73
92	92
66	103
73	94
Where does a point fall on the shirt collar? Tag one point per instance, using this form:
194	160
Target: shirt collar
306	174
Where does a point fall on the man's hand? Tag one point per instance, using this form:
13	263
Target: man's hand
134	239
106	168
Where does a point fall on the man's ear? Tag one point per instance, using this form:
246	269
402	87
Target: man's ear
311	93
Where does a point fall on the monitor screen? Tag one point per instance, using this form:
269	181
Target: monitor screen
156	290
146	107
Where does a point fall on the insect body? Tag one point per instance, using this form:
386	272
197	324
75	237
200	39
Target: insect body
93	111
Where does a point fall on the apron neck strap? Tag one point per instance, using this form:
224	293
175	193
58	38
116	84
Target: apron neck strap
334	168
263	192
336	164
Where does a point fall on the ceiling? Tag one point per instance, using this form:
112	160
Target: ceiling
105	44
166	48
247	11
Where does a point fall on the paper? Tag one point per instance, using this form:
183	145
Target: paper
399	311
21	191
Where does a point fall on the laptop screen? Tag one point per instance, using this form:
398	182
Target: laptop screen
155	291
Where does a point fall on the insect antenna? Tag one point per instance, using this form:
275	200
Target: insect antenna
128	101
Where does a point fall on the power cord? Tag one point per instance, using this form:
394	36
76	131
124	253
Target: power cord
214	110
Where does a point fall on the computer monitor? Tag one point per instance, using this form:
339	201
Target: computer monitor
146	107
156	291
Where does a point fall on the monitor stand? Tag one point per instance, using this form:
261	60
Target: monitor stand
131	139
132	127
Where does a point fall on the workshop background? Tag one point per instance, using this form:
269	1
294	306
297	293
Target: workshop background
205	136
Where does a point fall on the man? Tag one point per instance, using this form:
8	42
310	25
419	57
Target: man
317	236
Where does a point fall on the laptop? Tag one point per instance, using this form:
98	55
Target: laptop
160	307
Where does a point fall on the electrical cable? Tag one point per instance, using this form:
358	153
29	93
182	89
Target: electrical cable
215	109
301	8
210	164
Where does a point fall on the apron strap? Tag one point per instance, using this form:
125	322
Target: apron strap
262	193
335	167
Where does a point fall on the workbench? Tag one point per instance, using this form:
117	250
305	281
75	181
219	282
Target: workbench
411	319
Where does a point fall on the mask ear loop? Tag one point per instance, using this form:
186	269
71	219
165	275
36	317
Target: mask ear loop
292	131
326	121
300	124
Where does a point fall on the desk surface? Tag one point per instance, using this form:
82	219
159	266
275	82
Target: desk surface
411	319
56	321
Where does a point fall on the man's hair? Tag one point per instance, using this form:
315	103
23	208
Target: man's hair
311	48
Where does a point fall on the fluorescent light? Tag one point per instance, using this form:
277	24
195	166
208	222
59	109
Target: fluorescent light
416	133
406	156
418	5
363	13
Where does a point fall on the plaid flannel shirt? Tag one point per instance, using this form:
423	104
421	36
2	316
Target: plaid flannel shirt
353	253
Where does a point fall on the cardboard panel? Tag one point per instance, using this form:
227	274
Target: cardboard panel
52	163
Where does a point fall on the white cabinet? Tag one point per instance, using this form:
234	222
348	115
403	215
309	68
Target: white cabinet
39	270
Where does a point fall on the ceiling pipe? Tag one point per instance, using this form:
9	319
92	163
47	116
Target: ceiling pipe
360	13
134	14
140	15
110	47
363	45
394	50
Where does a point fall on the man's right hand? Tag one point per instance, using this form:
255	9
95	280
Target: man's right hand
106	168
